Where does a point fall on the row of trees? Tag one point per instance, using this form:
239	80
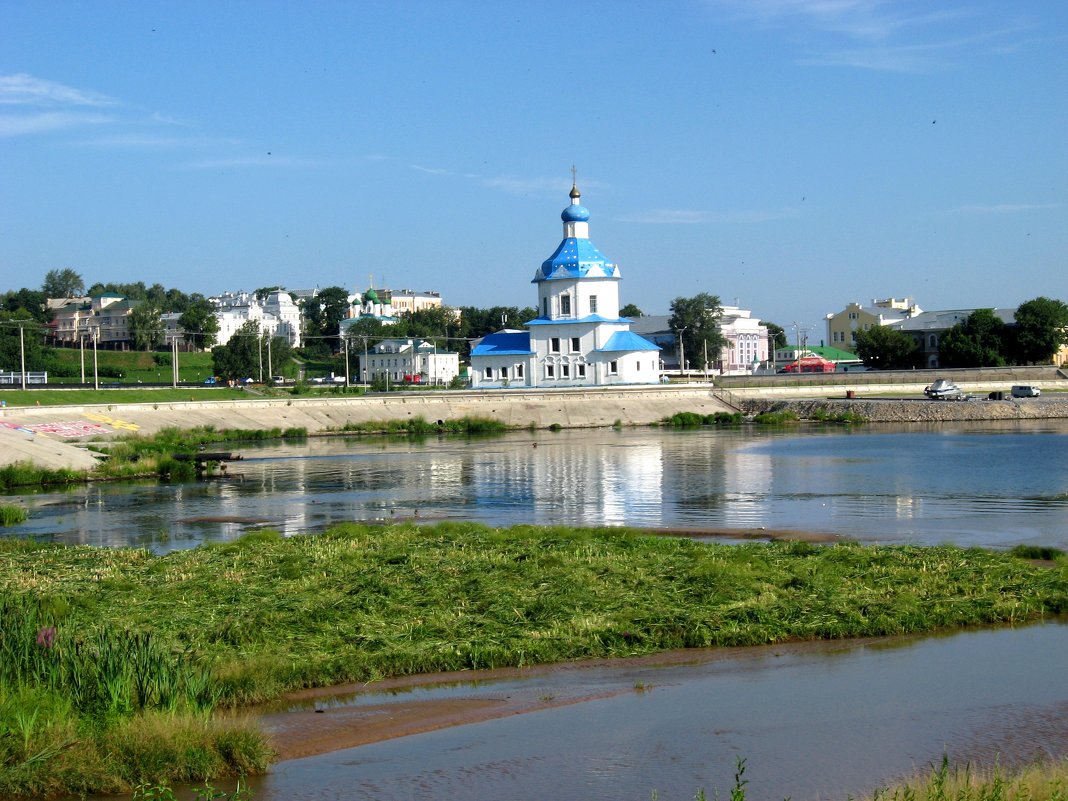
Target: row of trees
981	340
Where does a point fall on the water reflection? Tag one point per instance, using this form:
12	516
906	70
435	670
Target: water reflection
993	485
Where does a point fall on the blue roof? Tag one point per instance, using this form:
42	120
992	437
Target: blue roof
590	318
576	258
504	343
625	340
575	213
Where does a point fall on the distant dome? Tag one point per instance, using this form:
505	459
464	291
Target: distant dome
575	213
370	296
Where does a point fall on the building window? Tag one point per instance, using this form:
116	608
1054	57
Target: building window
554	345
489	373
519	371
854	316
574	344
565	305
550	371
565	371
580	371
613	368
593	304
504	374
544	307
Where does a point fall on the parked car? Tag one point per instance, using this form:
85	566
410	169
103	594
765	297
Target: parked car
944	389
211	381
1025	391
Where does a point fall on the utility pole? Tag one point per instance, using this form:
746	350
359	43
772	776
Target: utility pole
96	375
270	369
174	362
22	351
345	341
81	341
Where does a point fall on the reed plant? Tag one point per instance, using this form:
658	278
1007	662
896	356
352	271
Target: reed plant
11	515
25	474
116	636
1041	781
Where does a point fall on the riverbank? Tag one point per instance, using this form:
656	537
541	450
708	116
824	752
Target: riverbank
900	410
266	615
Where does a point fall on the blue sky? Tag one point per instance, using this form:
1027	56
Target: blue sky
790	155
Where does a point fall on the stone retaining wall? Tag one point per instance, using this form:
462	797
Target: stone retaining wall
918	411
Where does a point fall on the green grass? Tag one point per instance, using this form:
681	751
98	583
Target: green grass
82	397
1042	781
129	367
242	622
420	425
11	514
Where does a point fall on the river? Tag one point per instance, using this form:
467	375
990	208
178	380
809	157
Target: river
986	484
811	721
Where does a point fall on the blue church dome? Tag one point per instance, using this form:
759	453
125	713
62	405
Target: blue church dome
575	213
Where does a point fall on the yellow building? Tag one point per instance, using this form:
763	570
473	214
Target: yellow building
842	327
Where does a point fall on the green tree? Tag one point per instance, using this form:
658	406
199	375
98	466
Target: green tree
32	342
884	348
696	322
145	326
978	341
29	302
63	283
776	336
630	310
199	322
322	317
240	357
1041	329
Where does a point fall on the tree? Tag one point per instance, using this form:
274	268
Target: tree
630	310
145	326
199	322
63	283
32	342
240	357
1041	329
695	322
28	302
323	315
776	336
978	341
884	348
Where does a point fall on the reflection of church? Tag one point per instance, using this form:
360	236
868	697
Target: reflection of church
578	338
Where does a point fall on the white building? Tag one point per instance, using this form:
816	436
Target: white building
578	339
747	342
409	361
276	314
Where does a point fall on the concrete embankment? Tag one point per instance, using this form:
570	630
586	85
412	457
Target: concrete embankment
45	432
916	411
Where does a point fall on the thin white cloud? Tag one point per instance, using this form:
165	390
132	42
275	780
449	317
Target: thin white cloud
152	141
695	217
251	161
25	124
890	36
509	183
22	89
1006	208
868	20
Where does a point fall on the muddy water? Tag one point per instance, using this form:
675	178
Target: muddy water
811	721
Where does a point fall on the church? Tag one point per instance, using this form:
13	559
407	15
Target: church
578	339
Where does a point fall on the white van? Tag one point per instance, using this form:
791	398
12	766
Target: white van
1025	391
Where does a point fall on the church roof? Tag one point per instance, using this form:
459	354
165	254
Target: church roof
576	256
504	343
589	318
627	341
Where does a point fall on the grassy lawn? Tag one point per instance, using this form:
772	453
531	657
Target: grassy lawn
235	623
130	367
78	397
